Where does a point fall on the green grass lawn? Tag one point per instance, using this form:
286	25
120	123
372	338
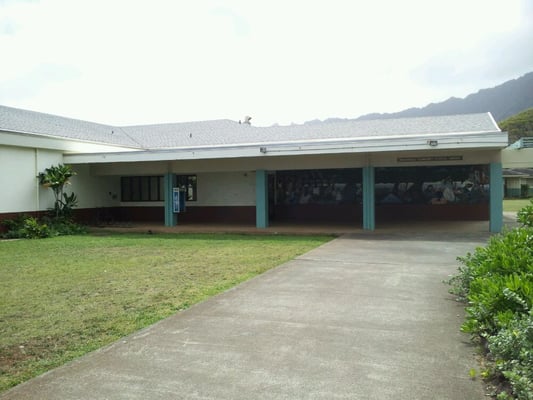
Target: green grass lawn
63	297
515	204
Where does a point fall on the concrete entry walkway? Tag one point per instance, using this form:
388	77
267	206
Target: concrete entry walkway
365	316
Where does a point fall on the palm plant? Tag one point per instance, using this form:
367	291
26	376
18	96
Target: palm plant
56	177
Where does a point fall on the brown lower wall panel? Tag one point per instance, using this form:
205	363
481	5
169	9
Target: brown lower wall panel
333	213
237	215
297	213
228	214
106	215
428	212
338	213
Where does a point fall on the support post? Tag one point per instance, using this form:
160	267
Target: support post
369	209
496	197
261	199
171	218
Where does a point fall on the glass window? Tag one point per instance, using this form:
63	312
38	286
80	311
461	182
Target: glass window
145	188
154	187
125	186
188	183
141	188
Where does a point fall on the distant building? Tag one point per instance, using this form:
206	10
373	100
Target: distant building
517	162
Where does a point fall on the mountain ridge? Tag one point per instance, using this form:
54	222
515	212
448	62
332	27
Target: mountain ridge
502	101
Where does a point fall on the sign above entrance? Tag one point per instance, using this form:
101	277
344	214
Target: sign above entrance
432	158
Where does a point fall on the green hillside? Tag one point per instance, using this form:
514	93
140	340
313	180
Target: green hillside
519	125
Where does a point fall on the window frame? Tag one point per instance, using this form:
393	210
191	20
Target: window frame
140	188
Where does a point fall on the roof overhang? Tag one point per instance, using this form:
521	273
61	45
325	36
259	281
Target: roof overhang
66	145
450	141
518	173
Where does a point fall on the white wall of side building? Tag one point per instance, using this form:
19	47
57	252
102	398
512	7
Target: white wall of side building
515	183
20	167
517	158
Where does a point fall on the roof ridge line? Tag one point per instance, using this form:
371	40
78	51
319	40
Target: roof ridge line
141	146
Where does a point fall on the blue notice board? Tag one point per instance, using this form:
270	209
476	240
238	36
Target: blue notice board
178	200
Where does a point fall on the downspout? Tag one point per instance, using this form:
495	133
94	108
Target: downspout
37	200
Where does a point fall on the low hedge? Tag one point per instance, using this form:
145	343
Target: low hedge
496	281
27	227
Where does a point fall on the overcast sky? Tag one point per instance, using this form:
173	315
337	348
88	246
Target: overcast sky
125	62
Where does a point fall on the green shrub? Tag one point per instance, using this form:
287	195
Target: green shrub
32	229
495	299
24	226
506	254
489	277
14	226
512	349
497	282
62	226
525	215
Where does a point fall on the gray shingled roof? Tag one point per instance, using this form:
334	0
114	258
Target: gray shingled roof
31	122
226	132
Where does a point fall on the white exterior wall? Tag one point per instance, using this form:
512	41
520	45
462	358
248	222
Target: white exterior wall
235	188
468	158
515	183
94	191
18	180
225	189
517	158
20	167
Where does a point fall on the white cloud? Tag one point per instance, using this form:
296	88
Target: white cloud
34	81
129	62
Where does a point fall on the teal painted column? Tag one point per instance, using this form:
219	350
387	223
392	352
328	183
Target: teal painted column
261	199
496	198
171	219
369	209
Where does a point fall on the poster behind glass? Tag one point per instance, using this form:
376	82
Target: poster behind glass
327	186
433	185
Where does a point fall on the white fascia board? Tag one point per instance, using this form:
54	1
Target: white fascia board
162	155
56	143
487	140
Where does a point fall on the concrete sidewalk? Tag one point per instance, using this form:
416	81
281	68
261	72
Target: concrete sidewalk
365	316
